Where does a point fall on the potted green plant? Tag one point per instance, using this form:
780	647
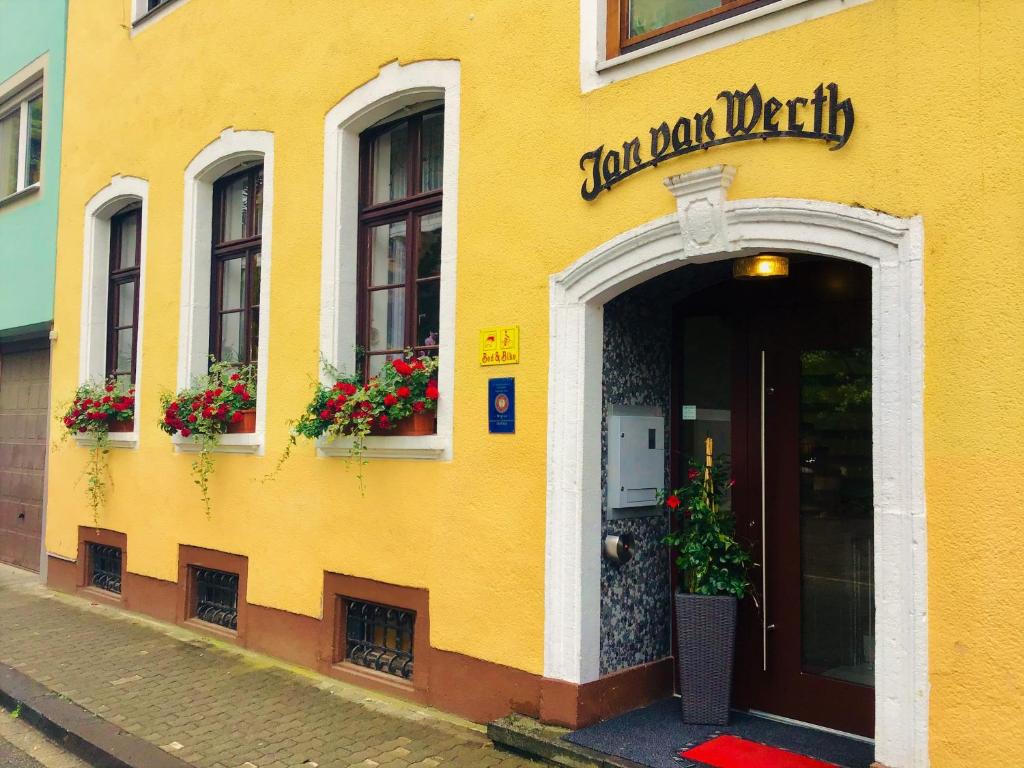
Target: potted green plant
400	400
712	567
220	402
96	411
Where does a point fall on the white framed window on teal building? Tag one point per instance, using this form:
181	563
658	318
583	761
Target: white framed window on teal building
21	140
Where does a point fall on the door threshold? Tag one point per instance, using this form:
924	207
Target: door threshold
812	726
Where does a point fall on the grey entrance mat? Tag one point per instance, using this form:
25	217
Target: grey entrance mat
654	735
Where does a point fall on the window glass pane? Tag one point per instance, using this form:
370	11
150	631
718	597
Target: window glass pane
258	203
387	254
390	160
10	128
377	361
124	349
232	337
432	151
125	304
254	335
648	15
387	319
129	236
232	284
428	302
236	206
428	259
254	289
35	140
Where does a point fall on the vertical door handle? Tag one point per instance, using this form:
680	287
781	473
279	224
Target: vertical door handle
764	547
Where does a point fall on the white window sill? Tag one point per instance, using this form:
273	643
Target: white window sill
249	442
117	440
19	195
430	447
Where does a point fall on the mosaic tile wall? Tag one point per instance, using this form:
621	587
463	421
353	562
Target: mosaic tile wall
636	597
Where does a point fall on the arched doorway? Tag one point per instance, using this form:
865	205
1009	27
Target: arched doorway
709	228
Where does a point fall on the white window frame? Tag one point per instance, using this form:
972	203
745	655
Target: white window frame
597	70
120	193
225	154
395	86
142	17
15	94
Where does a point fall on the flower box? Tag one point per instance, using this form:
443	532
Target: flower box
246	425
122	426
424	423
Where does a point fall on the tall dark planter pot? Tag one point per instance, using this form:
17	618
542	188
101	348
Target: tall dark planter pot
706	630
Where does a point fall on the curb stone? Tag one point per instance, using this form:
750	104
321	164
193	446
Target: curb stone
95	740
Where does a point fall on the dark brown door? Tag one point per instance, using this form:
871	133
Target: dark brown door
798	412
24	391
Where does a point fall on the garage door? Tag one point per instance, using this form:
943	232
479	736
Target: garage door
24	376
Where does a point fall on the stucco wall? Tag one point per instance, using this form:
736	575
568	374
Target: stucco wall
28	227
939	126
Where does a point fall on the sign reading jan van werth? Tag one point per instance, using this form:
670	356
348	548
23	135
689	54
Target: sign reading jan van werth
748	116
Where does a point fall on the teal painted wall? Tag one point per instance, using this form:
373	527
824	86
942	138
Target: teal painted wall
28	226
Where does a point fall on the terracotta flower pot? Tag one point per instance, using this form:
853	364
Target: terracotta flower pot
416	424
122	426
246	425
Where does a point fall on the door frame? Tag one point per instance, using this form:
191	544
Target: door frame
707	227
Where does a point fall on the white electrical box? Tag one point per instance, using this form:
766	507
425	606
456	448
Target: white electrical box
636	457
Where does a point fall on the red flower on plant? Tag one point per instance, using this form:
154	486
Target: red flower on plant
109	388
235	376
325	415
384	422
672	502
238	389
192	418
402	392
390	399
402	367
419	406
185	431
431	392
693	474
236	417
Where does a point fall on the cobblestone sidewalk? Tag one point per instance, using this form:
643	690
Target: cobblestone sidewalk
212	705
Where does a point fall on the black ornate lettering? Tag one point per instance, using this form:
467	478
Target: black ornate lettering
818	101
834	108
631	154
702	122
593	156
660	142
791	105
737	120
611	168
771	109
681	142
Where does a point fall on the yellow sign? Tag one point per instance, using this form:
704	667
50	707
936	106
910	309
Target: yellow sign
499	346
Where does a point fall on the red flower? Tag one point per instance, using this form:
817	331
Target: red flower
218	392
236	417
339	401
402	367
185	431
207	413
68	421
402	392
196	405
325	415
390	400
418	406
432	392
348	389
192	418
366	405
235	376
384	422
238	389
109	388
106	399
416	364
672	502
693	474
172	407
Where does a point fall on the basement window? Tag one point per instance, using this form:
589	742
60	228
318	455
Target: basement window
379	637
216	597
105	567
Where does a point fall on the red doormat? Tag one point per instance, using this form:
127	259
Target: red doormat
734	752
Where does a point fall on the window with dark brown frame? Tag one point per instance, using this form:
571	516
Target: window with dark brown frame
235	266
400	238
123	295
633	24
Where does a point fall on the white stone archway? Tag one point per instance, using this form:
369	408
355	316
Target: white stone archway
708	227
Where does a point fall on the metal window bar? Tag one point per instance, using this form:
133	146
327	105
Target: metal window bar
216	597
379	637
105	567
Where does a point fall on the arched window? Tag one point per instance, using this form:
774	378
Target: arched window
123	294
400	237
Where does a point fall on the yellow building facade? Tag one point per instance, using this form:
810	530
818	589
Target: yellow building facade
497	537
